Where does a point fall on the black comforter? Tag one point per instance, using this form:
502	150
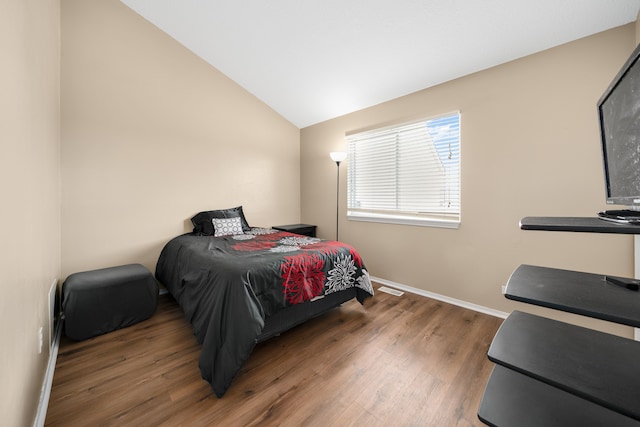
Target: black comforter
227	286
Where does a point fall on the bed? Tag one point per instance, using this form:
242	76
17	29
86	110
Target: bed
239	285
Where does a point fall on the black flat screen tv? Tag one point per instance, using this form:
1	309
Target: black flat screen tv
619	113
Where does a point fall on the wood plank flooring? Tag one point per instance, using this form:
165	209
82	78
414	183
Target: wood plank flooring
402	361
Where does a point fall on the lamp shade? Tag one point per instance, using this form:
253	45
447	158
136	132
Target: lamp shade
338	156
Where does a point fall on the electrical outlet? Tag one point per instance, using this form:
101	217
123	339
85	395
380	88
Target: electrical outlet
40	339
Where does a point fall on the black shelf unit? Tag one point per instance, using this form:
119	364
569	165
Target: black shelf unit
514	399
552	373
575	292
577	224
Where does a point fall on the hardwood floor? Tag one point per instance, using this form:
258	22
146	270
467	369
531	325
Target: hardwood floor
402	361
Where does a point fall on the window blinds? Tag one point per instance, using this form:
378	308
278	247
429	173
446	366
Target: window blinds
412	169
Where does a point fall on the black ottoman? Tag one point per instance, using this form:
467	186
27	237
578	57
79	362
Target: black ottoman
100	301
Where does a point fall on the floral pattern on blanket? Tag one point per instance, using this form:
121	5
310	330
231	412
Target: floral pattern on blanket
315	267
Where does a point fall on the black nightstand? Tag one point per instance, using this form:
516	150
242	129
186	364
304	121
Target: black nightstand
304	229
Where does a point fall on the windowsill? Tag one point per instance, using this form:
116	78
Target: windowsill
405	220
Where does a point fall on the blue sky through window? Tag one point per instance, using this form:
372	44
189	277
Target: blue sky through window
445	133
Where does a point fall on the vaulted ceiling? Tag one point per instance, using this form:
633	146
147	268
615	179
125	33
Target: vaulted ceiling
313	60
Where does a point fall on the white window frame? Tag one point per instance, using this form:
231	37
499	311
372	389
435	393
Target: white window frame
448	213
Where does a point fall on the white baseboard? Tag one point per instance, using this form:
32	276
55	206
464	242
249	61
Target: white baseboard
45	392
443	298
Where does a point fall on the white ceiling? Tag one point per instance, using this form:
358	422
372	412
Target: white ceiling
313	60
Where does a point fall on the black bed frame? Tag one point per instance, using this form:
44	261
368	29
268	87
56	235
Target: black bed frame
297	314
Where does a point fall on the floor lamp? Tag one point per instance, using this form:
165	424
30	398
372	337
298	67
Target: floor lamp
338	156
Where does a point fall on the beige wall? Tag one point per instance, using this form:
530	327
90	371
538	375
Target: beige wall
29	187
530	147
152	135
637	29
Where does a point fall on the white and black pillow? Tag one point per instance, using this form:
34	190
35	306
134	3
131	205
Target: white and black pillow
227	226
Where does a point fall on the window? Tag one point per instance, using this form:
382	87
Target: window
408	174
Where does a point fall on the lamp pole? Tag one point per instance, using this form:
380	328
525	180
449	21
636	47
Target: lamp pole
338	156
